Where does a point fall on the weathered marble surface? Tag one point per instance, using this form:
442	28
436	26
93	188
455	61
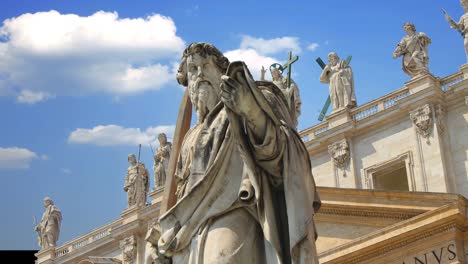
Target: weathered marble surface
161	161
413	48
136	182
339	75
245	189
49	227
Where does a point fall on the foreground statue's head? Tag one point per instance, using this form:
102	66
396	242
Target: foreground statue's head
200	70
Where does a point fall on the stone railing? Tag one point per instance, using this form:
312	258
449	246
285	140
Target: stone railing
451	80
89	238
373	107
314	131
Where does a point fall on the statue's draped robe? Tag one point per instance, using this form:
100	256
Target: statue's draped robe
137	182
212	168
293	98
50	226
341	86
414	51
161	164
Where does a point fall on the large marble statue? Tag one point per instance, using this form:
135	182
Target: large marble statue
49	227
161	161
244	184
136	182
413	48
292	95
339	75
462	25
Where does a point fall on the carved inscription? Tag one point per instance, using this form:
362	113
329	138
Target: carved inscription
438	255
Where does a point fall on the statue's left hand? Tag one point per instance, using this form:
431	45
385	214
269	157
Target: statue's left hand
236	95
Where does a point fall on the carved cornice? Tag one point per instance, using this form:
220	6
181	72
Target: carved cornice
396	242
368	212
422	119
129	249
339	152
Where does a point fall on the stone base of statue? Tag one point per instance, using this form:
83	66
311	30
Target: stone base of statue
464	69
422	82
156	195
46	256
339	117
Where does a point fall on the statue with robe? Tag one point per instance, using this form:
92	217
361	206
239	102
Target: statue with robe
291	93
161	161
413	48
49	227
245	191
339	75
462	24
136	182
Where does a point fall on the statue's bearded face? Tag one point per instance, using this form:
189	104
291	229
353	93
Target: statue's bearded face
204	79
333	59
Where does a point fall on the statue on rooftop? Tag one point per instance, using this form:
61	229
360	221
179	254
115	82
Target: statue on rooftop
413	48
49	227
291	93
462	25
339	75
136	182
161	161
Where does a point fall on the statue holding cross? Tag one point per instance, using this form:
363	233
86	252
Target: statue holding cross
287	86
338	74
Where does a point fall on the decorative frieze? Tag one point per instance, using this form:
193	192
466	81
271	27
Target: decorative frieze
129	249
339	152
422	119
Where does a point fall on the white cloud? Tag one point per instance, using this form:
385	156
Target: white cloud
65	171
16	158
112	135
31	97
313	46
253	60
271	46
65	54
44	157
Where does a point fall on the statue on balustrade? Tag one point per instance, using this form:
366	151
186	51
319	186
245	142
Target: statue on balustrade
49	227
136	182
339	75
462	25
413	48
161	161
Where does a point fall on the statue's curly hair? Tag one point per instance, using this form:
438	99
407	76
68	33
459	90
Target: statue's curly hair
203	49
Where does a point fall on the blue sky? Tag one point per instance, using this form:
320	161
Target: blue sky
83	82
